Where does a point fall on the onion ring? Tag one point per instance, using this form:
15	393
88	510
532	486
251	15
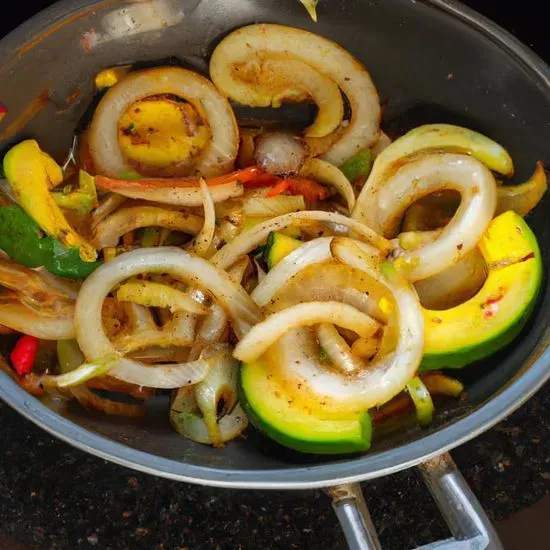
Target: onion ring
328	174
281	42
279	80
109	231
248	240
430	137
217	158
383	379
267	332
94	342
425	175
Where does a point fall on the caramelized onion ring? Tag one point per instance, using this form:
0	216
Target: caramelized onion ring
109	231
427	174
266	333
297	352
219	155
90	333
246	241
269	41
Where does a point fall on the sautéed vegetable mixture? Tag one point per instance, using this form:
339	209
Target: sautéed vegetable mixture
311	281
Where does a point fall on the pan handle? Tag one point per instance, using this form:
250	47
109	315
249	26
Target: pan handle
467	521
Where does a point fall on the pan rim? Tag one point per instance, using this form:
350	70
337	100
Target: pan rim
362	468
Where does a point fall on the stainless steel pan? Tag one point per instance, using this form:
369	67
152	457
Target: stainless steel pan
432	61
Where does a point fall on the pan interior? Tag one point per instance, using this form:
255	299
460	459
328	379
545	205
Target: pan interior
428	65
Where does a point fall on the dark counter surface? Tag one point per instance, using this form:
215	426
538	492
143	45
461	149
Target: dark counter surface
54	496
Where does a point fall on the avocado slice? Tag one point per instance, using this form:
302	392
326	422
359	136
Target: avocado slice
278	246
274	413
491	319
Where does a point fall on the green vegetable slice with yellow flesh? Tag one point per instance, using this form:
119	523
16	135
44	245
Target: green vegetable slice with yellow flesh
290	425
492	318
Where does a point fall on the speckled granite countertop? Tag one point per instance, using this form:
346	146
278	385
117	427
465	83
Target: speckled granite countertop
54	496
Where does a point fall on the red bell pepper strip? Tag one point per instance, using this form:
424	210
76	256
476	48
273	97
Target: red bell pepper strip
262	180
23	355
279	188
309	189
113	184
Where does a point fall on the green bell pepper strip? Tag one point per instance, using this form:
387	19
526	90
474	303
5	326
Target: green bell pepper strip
25	243
69	356
150	237
84	372
422	401
358	166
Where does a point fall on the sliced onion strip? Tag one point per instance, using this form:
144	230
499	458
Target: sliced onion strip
315	251
337	349
166	194
365	347
238	269
328	174
219	385
31	290
193	427
22	319
91	400
91	336
107	206
248	240
109	231
86	371
524	197
202	243
266	333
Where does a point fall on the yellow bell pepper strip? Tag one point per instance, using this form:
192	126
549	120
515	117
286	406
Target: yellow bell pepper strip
149	294
23	241
83	200
30	175
441	384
